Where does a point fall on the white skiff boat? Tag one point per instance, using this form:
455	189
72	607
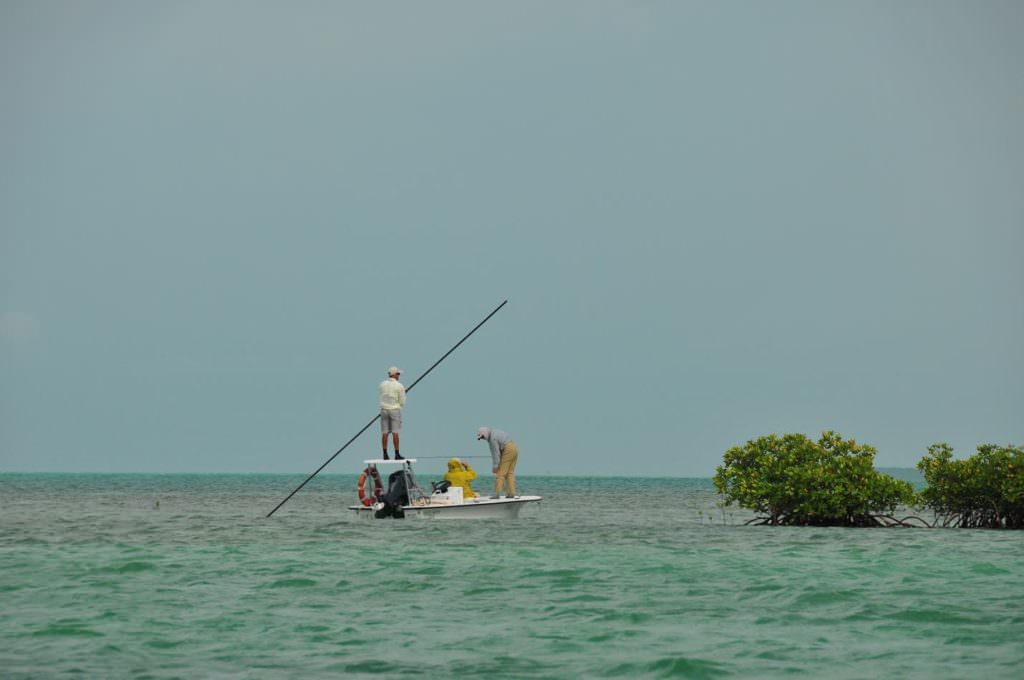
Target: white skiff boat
399	495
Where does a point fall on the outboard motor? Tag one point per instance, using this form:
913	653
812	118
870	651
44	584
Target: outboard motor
395	497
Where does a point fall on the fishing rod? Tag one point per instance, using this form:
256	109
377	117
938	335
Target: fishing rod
377	417
449	457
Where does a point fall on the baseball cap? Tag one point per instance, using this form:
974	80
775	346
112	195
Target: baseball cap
483	433
394	370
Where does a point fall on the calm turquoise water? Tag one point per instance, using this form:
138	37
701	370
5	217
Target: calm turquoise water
182	576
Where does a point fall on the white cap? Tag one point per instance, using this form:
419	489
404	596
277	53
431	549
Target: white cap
483	433
394	370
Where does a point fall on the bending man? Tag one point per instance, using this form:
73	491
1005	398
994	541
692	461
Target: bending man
504	456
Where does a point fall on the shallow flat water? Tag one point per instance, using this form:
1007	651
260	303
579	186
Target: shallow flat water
183	576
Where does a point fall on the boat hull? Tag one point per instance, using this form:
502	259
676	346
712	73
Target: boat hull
485	508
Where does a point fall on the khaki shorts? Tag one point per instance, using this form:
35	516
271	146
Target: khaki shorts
391	420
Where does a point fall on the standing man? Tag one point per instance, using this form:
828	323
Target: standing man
392	399
504	456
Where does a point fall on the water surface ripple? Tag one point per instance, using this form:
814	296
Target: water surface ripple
182	576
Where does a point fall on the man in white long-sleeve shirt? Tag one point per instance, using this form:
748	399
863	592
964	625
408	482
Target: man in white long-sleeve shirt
392	400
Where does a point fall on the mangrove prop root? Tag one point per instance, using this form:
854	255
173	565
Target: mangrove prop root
884	521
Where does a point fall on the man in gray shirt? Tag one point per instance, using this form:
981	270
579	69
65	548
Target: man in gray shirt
504	456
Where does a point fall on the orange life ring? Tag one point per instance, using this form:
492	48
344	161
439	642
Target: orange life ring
378	488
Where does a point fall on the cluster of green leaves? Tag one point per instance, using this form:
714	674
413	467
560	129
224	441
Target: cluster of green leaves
985	490
794	480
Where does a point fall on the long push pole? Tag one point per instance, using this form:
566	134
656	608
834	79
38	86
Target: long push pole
377	417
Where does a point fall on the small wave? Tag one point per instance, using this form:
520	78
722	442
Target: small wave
827	597
312	628
292	583
987	568
944	616
560	578
68	628
483	590
672	667
583	598
130	567
632	617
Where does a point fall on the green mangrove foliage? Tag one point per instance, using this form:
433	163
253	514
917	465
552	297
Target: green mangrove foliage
794	480
985	490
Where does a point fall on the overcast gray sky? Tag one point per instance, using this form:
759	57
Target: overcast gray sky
222	221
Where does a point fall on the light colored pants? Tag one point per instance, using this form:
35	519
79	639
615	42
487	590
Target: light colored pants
391	420
507	470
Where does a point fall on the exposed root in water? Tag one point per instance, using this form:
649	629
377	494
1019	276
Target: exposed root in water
884	521
980	519
893	522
